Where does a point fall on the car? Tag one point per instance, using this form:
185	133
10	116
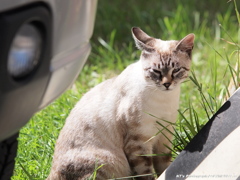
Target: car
43	47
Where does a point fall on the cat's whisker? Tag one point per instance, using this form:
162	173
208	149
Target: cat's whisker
149	139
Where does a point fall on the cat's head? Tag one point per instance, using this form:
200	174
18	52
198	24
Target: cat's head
165	63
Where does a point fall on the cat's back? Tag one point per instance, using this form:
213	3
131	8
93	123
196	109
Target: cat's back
107	94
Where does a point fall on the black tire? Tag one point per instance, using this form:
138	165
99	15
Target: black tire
8	151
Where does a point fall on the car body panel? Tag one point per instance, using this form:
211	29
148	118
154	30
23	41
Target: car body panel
72	28
67	72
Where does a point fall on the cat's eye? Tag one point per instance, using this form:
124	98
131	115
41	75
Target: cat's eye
157	71
176	70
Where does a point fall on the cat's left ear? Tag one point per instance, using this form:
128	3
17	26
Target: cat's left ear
142	40
186	44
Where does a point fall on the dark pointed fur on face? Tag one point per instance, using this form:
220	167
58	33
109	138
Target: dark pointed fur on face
165	63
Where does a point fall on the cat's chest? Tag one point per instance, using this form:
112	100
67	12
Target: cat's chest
163	110
160	107
162	104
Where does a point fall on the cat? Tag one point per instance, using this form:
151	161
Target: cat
111	125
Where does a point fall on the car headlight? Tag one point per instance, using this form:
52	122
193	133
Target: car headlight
25	51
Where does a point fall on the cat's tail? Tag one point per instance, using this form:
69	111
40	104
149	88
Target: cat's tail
80	169
72	173
82	165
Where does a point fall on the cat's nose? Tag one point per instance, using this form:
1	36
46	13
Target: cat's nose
167	85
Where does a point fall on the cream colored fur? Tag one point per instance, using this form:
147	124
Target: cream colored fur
111	125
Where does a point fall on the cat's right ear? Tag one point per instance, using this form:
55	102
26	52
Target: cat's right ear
142	40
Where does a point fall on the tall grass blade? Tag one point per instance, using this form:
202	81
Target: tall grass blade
26	172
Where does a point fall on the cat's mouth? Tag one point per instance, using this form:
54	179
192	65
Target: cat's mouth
170	88
167	89
163	88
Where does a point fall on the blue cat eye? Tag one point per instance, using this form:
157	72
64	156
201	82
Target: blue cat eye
176	70
157	71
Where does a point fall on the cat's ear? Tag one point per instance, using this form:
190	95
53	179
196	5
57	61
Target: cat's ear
142	40
186	44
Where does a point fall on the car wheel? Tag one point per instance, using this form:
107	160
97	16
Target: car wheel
8	151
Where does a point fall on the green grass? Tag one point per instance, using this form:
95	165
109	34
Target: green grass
113	49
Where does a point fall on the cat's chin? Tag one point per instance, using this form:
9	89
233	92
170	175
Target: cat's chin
166	90
169	89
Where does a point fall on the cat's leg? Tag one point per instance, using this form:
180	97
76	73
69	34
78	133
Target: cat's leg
162	161
139	163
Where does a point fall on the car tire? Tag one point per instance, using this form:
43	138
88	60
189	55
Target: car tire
8	151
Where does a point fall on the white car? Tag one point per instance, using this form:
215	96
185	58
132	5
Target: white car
43	47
